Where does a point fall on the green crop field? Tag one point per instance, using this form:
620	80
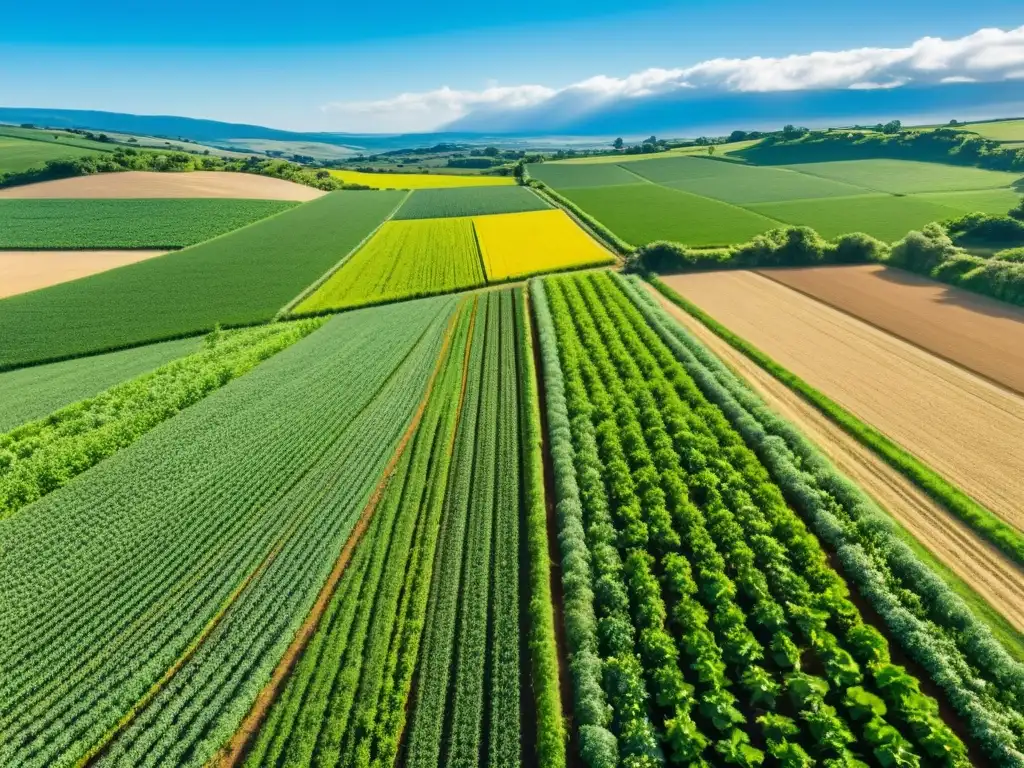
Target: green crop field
31	393
984	200
883	216
244	277
18	154
745	184
469	201
905	177
405	259
565	176
641	213
210	537
168	223
1010	131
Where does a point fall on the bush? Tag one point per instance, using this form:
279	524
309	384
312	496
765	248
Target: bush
923	251
986	229
857	248
1018	212
1015	255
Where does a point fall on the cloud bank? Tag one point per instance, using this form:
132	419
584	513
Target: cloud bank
986	56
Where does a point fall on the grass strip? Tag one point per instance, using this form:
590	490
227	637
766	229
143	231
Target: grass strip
975	515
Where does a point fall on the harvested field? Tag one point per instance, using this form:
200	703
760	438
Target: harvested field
152	184
967	429
26	271
975	561
979	333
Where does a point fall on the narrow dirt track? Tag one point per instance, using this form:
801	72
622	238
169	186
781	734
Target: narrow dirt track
968	430
25	271
979	333
975	561
148	184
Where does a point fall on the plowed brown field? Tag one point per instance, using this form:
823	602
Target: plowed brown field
25	271
979	333
965	428
975	561
129	184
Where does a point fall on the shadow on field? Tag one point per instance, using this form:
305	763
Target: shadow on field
956	296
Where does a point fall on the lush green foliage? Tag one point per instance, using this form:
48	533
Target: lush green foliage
715	605
933	626
469	201
403	260
31	393
43	455
641	213
244	277
148	602
70	224
986	230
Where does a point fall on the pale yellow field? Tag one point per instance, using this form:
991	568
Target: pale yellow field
519	244
420	180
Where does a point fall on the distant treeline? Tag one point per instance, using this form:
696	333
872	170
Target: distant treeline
130	159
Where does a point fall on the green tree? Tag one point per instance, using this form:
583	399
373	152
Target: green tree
618	143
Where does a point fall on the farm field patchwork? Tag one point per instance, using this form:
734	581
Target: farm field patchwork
219	530
112	224
742	185
984	200
31	393
883	216
642	213
707	574
905	177
469	201
979	333
954	421
720	149
147	184
420	180
243	277
420	649
567	176
515	245
26	271
46	453
404	259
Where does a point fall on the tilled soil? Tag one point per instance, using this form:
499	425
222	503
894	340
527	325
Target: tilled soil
979	333
967	429
24	271
977	562
149	184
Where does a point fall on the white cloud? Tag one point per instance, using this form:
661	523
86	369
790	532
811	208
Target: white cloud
985	56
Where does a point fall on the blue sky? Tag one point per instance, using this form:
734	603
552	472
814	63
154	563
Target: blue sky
279	64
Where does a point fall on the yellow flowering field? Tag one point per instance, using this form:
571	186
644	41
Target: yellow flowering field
520	244
420	180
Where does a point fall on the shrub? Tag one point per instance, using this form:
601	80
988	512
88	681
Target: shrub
858	248
1015	255
986	229
923	251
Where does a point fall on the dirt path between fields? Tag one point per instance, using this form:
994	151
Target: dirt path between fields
981	334
979	564
25	271
148	184
967	429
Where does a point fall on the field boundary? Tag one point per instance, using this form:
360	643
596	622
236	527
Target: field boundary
234	752
758	271
975	515
479	250
546	193
312	287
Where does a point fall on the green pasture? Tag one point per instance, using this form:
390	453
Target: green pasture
641	213
149	223
744	184
984	200
564	176
244	277
17	155
1001	130
469	201
906	177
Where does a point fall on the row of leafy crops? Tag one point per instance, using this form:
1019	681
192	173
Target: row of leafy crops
469	201
930	623
147	603
403	260
424	648
38	457
242	278
705	623
86	223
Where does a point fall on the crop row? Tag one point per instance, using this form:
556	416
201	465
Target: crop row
43	455
931	624
148	602
718	633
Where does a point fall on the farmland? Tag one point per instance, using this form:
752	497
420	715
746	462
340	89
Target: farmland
723	202
18	155
26	271
147	184
405	259
243	277
219	530
1008	131
420	180
431	602
704	566
469	201
514	245
110	224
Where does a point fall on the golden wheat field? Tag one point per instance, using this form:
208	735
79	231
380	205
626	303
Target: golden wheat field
519	244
